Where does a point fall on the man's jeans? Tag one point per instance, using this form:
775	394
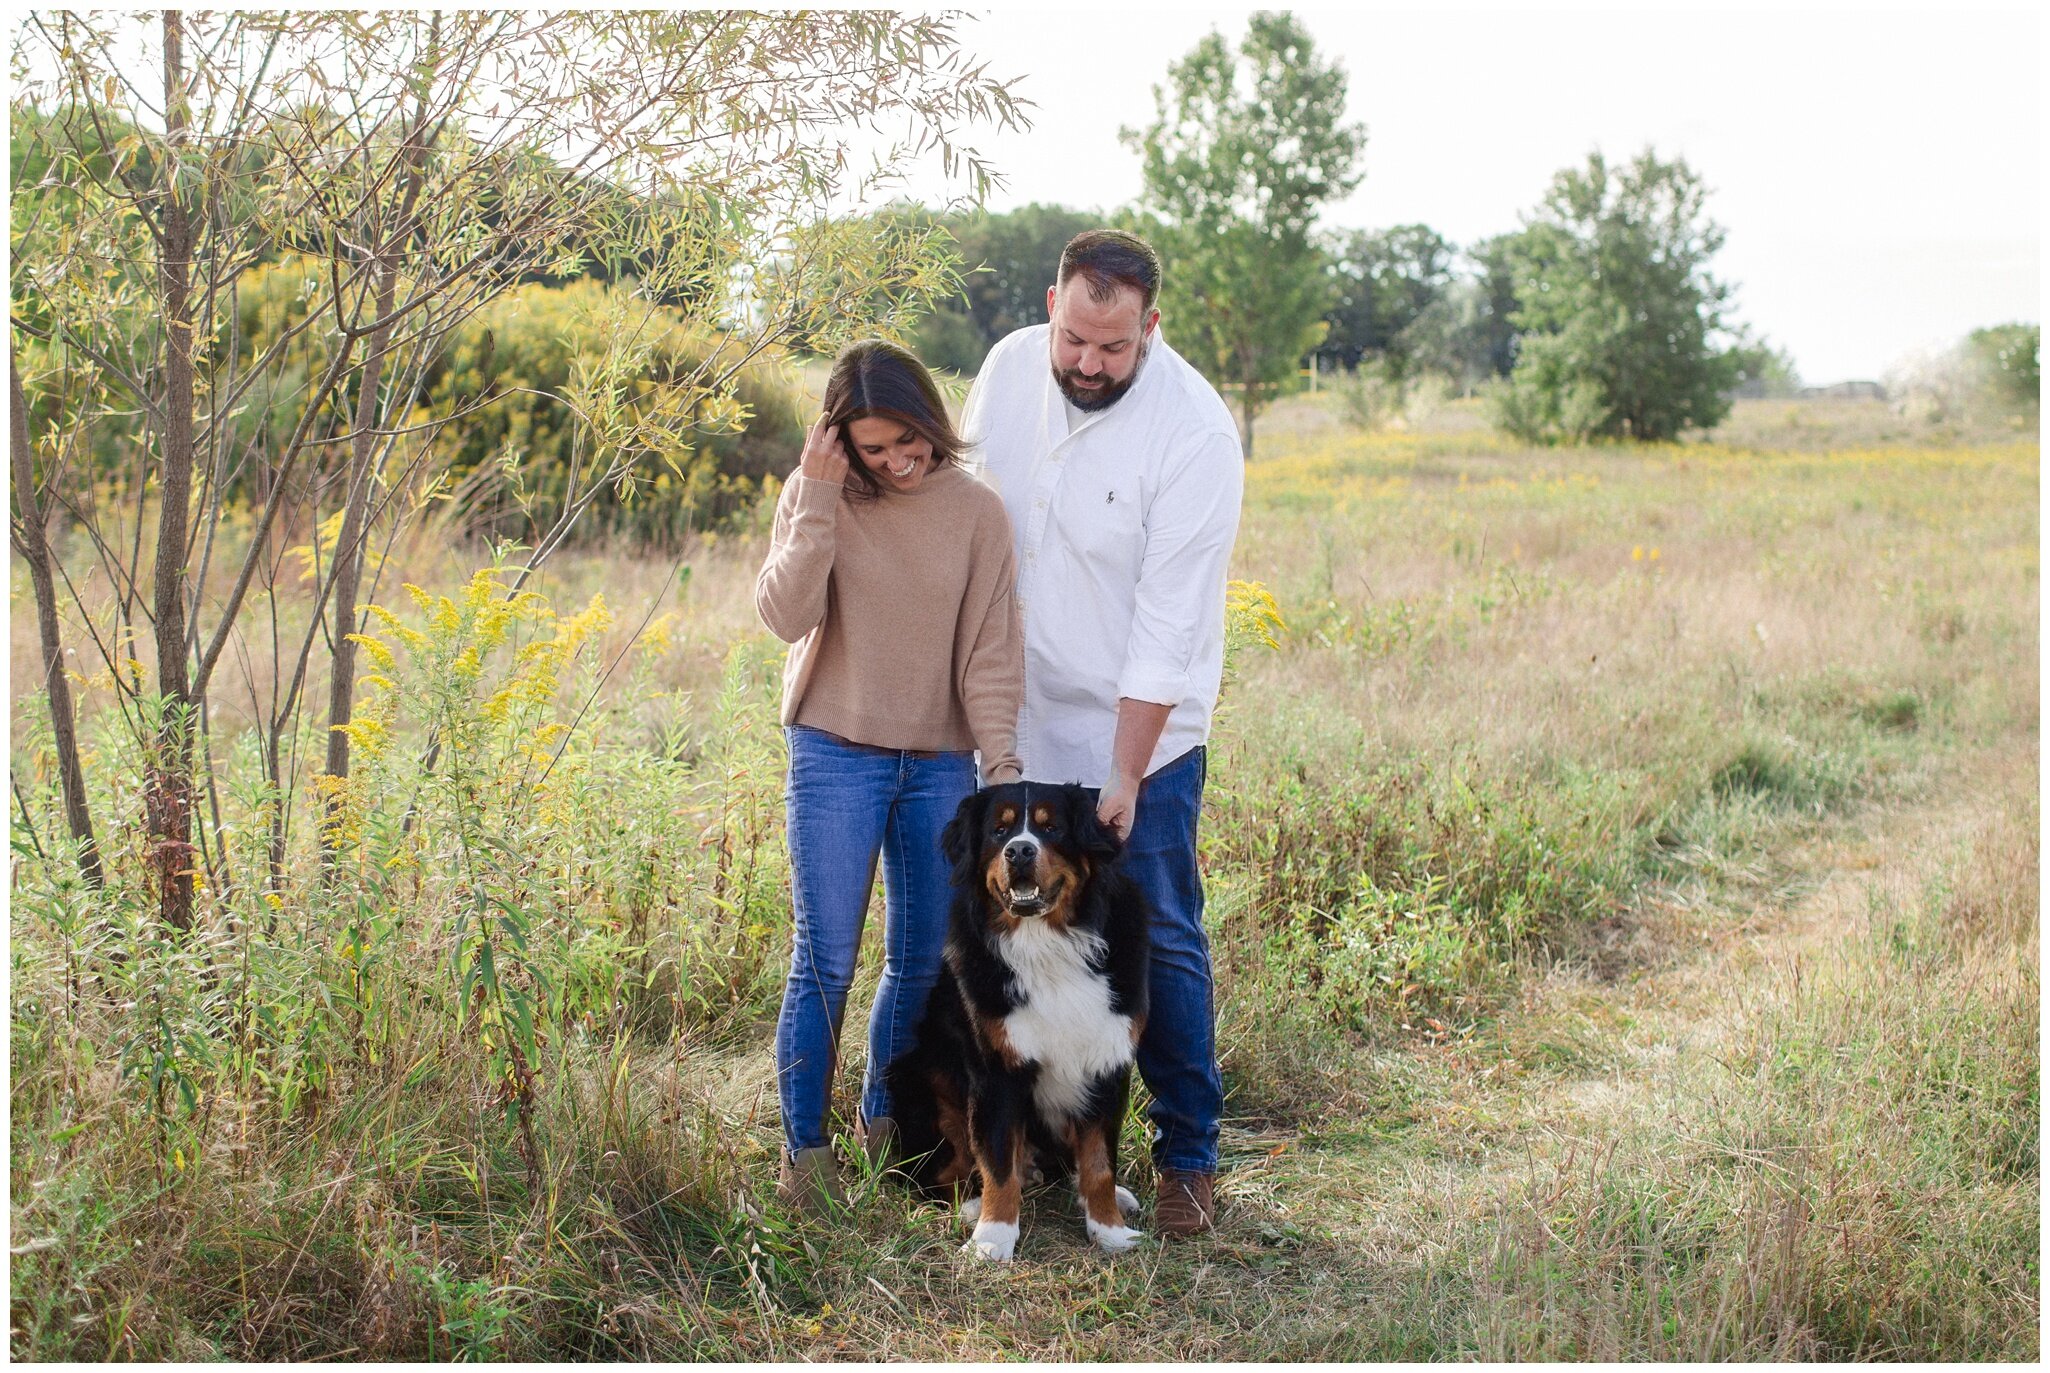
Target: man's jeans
846	803
1178	1052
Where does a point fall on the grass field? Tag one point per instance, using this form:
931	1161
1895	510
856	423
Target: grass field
1623	882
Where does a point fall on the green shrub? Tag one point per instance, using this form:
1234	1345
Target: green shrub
506	427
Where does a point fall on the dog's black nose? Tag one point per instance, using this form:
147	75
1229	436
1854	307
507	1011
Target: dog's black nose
1021	853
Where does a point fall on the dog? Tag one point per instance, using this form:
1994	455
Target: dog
1027	1042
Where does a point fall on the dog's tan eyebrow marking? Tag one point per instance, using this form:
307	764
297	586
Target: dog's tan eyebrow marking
1042	815
1007	815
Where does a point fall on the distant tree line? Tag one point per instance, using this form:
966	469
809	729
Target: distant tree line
1599	318
1625	352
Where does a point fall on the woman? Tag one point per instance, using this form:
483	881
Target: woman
890	574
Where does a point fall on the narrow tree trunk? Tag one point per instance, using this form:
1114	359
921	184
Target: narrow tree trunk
1248	358
363	457
273	763
168	794
349	553
33	542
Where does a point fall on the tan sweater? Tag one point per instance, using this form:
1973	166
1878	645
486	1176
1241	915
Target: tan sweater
899	614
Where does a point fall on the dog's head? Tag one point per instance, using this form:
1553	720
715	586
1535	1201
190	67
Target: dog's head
1031	847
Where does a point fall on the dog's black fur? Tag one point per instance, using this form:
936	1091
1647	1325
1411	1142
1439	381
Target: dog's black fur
963	1096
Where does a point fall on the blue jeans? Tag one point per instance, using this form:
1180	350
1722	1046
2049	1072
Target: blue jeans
846	803
1178	1051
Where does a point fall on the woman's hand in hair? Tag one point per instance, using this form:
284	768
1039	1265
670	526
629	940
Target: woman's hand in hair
825	456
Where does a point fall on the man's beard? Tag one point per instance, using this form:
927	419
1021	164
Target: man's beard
1089	401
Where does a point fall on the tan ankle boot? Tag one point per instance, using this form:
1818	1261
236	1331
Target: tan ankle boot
809	1181
878	1140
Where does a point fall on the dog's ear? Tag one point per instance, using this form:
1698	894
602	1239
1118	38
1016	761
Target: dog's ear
958	841
1097	839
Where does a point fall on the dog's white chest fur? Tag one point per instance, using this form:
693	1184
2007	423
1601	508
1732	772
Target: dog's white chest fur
1066	1024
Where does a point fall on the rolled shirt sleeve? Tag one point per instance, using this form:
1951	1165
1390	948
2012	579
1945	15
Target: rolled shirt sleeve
1190	528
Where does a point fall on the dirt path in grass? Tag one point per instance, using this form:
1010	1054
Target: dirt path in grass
1681	978
1607	1060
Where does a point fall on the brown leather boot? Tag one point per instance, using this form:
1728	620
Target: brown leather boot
1182	1205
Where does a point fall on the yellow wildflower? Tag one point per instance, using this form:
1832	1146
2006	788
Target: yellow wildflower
379	653
658	638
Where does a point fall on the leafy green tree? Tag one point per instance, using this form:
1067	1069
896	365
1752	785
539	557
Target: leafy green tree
1245	149
1463	330
948	339
1764	371
1384	282
892	300
1008	261
2007	360
1483	342
1622	328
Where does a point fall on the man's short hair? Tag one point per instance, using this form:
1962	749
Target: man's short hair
1110	260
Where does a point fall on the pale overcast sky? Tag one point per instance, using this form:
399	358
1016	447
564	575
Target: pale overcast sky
1878	173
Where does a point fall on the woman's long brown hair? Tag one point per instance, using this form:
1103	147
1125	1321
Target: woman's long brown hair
878	378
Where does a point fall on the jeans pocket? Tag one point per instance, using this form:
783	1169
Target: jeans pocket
815	743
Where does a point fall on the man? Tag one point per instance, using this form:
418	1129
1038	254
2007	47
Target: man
1121	470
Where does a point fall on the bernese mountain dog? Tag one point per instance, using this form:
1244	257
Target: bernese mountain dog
1026	1048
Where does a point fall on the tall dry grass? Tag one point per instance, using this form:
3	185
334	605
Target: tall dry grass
1621	884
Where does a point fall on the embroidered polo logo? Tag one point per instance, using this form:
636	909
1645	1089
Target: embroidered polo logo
1109	496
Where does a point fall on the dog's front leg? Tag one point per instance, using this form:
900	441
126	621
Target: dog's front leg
1102	1206
999	1139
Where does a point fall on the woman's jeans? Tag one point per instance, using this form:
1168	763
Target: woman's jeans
846	804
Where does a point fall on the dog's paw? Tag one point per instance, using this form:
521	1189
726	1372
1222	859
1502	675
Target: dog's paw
1128	1205
1113	1239
993	1240
971	1209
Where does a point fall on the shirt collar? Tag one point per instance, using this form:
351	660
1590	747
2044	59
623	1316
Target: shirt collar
1139	397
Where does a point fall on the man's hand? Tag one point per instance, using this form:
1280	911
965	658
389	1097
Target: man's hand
1139	726
1117	805
825	457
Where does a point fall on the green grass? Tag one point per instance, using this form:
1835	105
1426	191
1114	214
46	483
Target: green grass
1622	889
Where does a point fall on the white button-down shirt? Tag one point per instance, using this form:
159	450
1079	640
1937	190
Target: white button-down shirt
1124	528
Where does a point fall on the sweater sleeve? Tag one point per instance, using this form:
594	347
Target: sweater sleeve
790	593
990	646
